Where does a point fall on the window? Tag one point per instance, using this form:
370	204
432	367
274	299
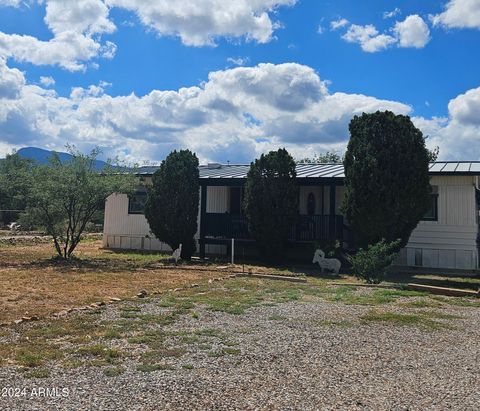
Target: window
136	202
432	213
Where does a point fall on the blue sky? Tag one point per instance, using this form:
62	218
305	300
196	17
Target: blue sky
255	74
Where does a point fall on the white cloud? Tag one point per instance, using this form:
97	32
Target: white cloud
412	32
200	22
465	108
76	26
235	115
368	37
458	135
10	3
238	61
80	16
338	24
393	13
12	81
47	81
68	49
459	14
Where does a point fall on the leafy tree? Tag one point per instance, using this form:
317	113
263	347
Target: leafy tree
65	195
271	201
386	178
172	202
371	264
15	182
327	157
433	154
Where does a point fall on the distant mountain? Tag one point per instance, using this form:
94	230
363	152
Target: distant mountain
41	156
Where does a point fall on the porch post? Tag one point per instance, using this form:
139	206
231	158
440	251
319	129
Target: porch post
332	211
203	216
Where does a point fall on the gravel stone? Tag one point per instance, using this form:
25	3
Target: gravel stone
293	356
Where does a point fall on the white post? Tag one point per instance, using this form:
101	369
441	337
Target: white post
233	250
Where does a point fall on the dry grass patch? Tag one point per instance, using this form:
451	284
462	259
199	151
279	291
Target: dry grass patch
33	283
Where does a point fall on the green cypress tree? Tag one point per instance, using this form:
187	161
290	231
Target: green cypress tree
172	203
271	201
386	178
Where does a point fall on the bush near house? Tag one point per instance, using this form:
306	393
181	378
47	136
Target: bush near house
271	201
371	264
172	203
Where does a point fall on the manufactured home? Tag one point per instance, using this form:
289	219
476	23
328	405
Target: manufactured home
446	237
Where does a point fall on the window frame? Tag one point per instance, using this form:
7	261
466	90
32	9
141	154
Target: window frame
139	192
434	199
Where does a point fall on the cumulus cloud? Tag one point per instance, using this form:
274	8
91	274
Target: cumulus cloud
200	22
465	108
12	81
47	81
368	37
456	135
459	14
339	23
76	26
234	115
412	32
80	16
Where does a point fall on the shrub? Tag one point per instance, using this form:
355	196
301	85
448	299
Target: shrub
271	201
386	178
172	203
371	264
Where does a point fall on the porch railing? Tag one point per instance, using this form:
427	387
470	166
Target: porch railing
307	227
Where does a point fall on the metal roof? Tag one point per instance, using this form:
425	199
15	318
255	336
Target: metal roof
304	170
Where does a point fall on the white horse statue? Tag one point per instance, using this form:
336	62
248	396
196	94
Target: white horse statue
330	264
176	254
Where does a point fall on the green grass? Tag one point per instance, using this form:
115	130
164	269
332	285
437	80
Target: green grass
101	352
340	323
458	301
232	351
112	333
422	320
29	360
114	371
37	373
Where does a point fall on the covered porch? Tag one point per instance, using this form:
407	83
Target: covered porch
319	217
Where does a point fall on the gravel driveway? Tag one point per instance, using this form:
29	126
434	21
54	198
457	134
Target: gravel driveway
308	354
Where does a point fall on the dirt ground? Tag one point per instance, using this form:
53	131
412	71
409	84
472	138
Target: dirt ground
32	282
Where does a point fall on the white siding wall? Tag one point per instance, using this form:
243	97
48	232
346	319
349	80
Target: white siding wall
449	242
131	231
